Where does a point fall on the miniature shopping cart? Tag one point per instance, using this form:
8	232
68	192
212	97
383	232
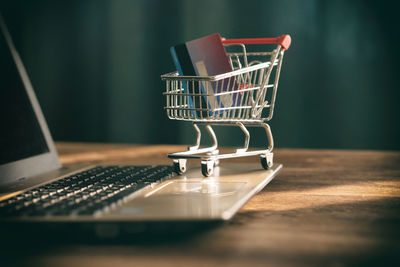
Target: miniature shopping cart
244	97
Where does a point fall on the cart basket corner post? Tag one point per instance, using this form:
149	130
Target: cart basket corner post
244	97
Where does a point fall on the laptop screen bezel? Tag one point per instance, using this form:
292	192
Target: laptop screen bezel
37	164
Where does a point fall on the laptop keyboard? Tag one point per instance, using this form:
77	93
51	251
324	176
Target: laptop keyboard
85	193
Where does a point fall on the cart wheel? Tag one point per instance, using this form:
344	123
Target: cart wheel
216	163
267	161
180	166
207	168
214	153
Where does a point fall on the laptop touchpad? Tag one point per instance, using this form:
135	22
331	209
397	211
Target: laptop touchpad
198	188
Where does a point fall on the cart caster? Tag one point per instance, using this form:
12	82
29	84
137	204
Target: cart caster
214	153
267	161
180	166
207	168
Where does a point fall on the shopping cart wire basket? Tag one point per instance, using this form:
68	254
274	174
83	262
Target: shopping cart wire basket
244	97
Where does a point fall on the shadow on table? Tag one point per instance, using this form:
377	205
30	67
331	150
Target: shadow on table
361	233
20	242
135	233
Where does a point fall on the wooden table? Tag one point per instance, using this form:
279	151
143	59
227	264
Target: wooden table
326	207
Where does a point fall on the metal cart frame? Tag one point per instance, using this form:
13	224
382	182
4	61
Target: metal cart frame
244	98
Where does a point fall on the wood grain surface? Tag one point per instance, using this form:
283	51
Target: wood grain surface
326	208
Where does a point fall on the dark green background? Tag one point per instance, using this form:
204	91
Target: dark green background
96	66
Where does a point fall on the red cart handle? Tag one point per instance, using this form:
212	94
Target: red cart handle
283	40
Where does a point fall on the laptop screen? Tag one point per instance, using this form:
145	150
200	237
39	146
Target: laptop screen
20	133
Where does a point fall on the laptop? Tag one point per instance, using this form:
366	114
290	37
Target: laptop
34	187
